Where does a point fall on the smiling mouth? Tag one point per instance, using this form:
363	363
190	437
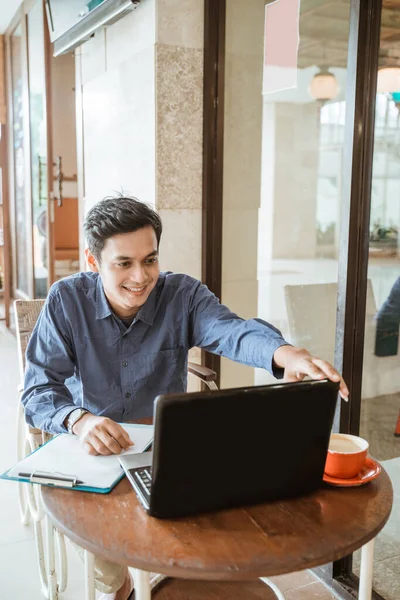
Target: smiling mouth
135	290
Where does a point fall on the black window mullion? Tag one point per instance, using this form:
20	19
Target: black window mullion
362	68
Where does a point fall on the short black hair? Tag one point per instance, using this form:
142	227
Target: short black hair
118	214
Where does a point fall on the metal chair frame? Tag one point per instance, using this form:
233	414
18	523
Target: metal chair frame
50	543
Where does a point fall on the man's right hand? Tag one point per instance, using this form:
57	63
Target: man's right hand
100	435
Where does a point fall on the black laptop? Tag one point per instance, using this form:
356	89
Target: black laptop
226	448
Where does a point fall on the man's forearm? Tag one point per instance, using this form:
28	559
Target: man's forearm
47	409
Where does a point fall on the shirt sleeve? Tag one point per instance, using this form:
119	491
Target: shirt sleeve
217	329
49	362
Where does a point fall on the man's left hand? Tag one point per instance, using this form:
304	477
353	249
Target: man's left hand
298	363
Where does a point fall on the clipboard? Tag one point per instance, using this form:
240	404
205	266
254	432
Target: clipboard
63	462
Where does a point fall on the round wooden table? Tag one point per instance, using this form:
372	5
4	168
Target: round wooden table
233	545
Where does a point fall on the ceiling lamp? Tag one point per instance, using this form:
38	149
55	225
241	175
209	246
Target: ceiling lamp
388	80
324	86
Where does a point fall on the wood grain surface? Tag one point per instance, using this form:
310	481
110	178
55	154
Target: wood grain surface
237	544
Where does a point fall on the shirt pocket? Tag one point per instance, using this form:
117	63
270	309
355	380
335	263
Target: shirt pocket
162	369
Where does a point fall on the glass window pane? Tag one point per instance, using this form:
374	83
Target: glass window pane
38	135
21	217
283	148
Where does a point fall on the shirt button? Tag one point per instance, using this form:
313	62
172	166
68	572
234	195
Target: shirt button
124	364
127	395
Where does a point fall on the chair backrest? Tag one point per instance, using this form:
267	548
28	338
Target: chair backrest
311	310
26	315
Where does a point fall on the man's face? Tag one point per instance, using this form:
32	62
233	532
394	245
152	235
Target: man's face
129	269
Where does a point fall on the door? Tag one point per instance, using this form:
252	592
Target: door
19	173
30	141
39	167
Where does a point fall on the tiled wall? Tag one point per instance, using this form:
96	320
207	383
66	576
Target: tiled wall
179	66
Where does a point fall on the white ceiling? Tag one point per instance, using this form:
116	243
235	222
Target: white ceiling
8	9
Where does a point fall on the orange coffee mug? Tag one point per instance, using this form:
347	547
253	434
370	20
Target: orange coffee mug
346	455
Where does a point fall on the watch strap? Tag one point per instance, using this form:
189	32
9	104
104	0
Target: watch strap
74	417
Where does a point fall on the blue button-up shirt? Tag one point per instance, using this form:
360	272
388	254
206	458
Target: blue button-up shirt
81	354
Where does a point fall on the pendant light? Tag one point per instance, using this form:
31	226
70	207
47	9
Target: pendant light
324	86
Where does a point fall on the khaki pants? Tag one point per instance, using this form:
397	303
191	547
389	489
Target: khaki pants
108	576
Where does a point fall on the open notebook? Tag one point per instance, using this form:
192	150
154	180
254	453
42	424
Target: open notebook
63	462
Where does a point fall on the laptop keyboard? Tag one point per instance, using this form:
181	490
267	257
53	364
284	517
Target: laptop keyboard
143	478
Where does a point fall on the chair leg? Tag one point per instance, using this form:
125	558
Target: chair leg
273	587
22	450
31	507
20	432
89	575
40	555
52	586
156	580
142	584
46	553
23	503
52	580
62	564
397	430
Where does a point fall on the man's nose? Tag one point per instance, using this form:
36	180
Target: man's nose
138	274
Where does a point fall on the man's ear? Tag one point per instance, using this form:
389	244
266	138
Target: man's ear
91	261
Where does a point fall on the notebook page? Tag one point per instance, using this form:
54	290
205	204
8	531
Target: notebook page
65	455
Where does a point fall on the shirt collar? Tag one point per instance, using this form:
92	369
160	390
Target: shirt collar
103	309
146	313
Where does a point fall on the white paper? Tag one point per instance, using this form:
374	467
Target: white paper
64	455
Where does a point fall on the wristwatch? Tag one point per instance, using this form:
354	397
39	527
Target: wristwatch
74	417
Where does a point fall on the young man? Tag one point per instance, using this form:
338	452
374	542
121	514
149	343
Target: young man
109	340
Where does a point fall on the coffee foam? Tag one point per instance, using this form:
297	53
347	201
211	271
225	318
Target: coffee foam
344	445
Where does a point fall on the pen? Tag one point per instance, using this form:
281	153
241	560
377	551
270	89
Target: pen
52	477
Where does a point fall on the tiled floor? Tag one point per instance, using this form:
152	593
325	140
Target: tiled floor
19	578
378	421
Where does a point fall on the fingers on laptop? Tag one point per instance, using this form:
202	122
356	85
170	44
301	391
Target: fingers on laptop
330	372
316	368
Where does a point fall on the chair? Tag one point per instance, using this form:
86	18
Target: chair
28	440
311	313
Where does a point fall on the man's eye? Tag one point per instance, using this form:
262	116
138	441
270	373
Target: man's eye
123	264
151	261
